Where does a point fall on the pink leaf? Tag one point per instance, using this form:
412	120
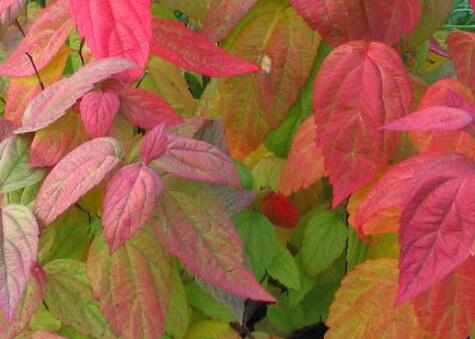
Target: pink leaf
9	10
154	144
52	103
75	175
197	160
115	28
193	226
6	128
461	47
340	21
44	38
145	109
436	233
130	198
174	42
435	118
98	110
18	250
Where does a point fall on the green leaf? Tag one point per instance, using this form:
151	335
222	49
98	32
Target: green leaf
280	139
24	196
284	269
324	240
15	171
267	173
66	238
206	303
245	174
211	329
356	252
69	298
178	313
260	240
43	320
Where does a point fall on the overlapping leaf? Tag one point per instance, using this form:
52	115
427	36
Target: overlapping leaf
74	175
42	41
154	144
193	226
130	198
174	42
52	103
18	248
363	306
447	309
133	285
360	87
341	21
272	35
461	46
115	28
98	110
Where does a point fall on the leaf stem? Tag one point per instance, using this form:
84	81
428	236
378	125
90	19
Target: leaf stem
17	23
36	70
464	27
81	46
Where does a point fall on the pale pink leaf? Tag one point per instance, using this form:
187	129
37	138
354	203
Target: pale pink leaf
115	28
435	118
6	128
154	144
146	109
98	110
52	103
75	175
42	41
193	226
130	198
174	42
19	246
197	160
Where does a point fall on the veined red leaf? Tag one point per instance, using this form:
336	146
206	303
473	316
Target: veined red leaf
145	109
393	187
222	16
197	160
280	210
132	285
130	198
349	121
50	144
19	247
451	93
154	144
461	46
115	28
74	175
42	41
340	21
9	10
447	309
194	227
52	103
6	128
98	110
304	165
436	233
434	118
363	305
174	42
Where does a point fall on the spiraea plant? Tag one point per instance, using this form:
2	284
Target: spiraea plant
224	169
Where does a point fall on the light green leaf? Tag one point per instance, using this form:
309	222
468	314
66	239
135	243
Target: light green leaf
284	269
211	329
43	320
178	313
356	252
206	303
267	173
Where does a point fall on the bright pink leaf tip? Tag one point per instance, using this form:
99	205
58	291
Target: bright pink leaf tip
154	144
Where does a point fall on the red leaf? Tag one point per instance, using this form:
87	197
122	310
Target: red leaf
359	88
222	16
340	21
461	46
130	198
42	41
451	93
98	110
75	175
174	42
18	248
472	2
447	309
145	109
280	210
437	233
154	144
434	118
52	103
305	162
193	226
197	160
115	28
